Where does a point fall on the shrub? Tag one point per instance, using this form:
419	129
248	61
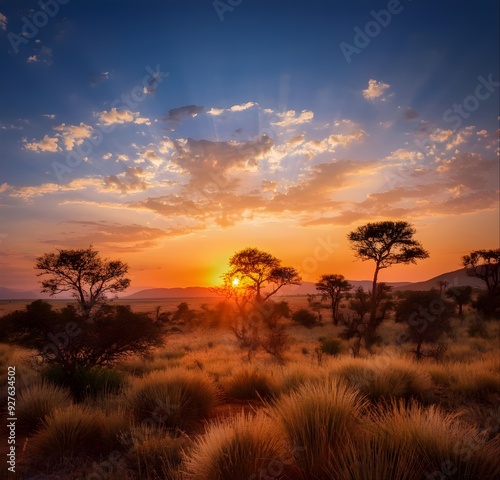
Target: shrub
320	419
241	448
305	318
172	399
395	378
155	453
77	430
376	458
249	384
86	382
39	400
440	440
331	346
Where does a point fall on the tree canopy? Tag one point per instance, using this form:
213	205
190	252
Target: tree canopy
333	286
258	272
485	264
83	273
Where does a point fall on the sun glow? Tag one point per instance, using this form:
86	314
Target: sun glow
236	282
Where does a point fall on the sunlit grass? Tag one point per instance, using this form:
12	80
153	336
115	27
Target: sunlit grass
240	448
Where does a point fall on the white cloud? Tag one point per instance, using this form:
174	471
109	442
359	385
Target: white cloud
375	90
290	118
215	111
405	155
439	135
48	144
32	59
119	117
3	21
49	115
482	133
243	106
73	134
107	156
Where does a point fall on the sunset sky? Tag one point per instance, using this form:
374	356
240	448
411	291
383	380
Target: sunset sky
170	134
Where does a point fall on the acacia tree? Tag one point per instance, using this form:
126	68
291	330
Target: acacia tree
461	295
485	264
83	273
255	270
334	286
386	243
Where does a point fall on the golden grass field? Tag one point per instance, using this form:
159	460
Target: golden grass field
202	408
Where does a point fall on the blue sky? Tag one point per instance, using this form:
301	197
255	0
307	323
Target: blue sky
247	117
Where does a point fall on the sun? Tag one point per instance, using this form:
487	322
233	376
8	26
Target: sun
236	282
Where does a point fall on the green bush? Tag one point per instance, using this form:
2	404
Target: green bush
86	382
305	318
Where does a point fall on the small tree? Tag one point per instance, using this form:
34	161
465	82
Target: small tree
254	270
426	316
485	264
461	295
85	274
67	340
386	243
334	286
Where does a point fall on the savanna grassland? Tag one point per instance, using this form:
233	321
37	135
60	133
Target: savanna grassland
211	403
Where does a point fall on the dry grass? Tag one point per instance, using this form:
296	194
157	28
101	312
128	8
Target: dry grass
249	384
439	439
77	430
241	448
172	399
39	400
319	420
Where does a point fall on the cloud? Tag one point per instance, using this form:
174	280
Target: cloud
120	117
290	118
177	115
32	59
48	144
73	134
131	180
243	106
51	116
3	22
99	78
375	90
216	111
118	236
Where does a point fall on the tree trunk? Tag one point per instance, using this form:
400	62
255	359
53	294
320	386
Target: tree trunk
373	311
335	320
418	352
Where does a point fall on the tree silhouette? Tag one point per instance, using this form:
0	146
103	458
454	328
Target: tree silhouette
386	243
461	295
254	270
333	286
83	273
485	264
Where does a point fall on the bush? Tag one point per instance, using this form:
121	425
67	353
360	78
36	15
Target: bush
172	399
331	346
440	441
241	448
86	382
38	401
305	318
77	430
249	384
75	343
320	419
154	453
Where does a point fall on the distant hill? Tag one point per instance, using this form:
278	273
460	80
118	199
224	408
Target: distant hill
10	294
457	278
197	292
187	292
